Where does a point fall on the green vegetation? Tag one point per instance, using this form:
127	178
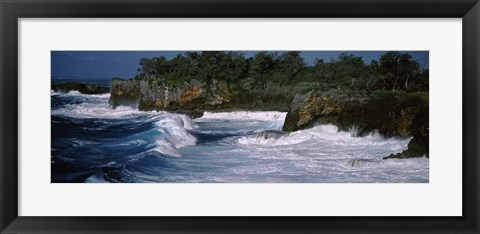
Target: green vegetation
393	71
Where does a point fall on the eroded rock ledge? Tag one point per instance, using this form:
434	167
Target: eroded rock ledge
84	88
390	113
193	97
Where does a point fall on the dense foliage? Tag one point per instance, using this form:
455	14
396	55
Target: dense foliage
393	71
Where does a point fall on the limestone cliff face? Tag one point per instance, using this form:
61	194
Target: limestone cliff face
199	96
189	94
151	96
306	108
389	113
419	145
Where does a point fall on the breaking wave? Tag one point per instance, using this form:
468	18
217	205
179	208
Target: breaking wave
92	142
163	131
246	115
324	133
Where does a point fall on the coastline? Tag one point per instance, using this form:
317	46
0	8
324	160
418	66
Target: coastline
395	114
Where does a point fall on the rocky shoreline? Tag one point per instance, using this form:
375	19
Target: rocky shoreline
84	88
391	113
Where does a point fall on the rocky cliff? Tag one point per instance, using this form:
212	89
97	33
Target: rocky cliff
194	96
81	87
389	113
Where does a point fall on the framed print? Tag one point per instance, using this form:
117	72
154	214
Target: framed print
227	116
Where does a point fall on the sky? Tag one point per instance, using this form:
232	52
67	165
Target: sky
124	64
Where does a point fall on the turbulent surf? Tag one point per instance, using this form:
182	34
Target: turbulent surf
92	142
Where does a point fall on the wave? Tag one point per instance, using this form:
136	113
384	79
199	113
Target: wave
78	94
174	133
136	142
362	162
166	133
102	144
331	133
324	133
161	132
92	106
96	178
93	110
245	115
269	137
410	163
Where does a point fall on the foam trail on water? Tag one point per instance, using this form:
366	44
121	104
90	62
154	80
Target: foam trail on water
326	133
245	115
94	106
76	93
87	110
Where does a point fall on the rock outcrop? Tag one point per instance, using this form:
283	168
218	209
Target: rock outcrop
152	96
270	134
66	87
419	145
308	108
198	96
389	113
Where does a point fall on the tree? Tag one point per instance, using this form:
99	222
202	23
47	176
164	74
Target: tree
147	67
235	66
263	63
389	66
407	69
372	70
344	70
399	69
292	63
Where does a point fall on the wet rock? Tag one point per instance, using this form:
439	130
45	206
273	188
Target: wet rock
390	113
271	134
83	88
419	144
361	162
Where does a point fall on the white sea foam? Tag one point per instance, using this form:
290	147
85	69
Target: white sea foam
94	106
372	163
319	154
173	128
96	178
187	122
285	140
327	133
74	92
94	110
137	142
245	115
174	134
78	94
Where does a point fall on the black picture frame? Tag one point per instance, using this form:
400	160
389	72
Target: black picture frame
11	11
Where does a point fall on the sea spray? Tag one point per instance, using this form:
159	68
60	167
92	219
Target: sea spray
92	142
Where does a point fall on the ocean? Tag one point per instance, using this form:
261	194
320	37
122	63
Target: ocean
93	143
